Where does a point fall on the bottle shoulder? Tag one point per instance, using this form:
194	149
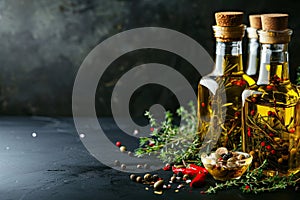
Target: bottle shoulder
238	78
284	94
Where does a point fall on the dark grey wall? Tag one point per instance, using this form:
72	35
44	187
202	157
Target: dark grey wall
43	43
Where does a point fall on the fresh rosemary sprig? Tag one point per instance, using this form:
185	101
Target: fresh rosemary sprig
255	182
171	143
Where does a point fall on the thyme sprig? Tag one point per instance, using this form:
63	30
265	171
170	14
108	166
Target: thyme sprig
256	181
172	143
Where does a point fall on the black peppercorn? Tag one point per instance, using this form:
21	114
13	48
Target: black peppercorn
155	177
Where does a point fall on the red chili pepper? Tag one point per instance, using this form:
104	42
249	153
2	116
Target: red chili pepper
195	171
196	167
192	170
179	169
167	167
198	180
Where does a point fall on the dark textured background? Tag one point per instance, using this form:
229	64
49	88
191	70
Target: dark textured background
43	43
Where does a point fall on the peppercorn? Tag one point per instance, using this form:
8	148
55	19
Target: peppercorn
123	149
151	143
139	166
139	179
147	177
269	87
238	83
270	113
221	150
155	177
173	179
273	151
130	153
146	166
117	163
237	114
158	185
292	130
133	177
227	156
249	132
271	134
185	177
123	166
118	144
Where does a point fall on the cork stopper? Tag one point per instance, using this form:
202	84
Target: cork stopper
274	29
275	22
229	18
255	21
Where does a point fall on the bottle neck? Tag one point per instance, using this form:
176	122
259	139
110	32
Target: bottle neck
274	64
228	58
253	54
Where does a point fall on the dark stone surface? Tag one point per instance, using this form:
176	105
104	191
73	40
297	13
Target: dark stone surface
54	165
44	42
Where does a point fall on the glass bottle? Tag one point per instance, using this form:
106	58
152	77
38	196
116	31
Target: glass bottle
219	93
253	54
271	120
253	46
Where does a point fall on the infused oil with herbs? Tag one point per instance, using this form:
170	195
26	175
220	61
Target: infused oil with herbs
219	93
271	112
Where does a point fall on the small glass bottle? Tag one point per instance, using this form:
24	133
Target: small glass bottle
271	109
219	93
253	46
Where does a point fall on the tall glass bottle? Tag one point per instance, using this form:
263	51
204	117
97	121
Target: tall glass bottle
253	47
219	93
271	120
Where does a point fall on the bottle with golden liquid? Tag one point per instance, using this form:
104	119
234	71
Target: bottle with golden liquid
253	47
219	93
271	112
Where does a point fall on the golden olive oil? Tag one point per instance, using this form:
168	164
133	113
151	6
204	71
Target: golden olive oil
216	115
272	123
